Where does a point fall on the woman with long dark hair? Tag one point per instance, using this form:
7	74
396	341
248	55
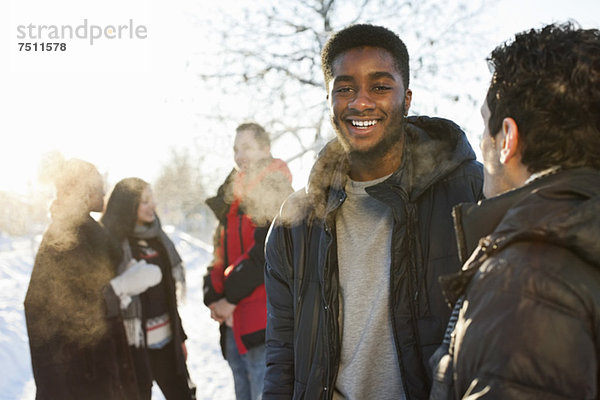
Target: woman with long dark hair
152	323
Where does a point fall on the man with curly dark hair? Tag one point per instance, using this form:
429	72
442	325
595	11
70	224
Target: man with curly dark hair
354	308
526	317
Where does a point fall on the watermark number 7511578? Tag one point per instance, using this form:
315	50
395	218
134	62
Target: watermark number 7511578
42	46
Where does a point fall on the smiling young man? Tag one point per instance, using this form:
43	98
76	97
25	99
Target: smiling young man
354	307
527	301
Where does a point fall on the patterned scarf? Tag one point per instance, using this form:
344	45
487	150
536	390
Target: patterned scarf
132	315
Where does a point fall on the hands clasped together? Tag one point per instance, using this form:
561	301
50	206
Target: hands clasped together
222	311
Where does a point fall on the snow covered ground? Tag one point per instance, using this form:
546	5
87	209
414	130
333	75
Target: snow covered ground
208	370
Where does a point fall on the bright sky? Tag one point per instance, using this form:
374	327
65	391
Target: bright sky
122	103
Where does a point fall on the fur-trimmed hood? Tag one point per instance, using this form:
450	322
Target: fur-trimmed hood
435	147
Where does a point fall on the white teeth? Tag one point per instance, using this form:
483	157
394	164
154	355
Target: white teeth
363	124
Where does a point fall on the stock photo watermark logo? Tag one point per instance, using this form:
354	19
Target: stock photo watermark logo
84	31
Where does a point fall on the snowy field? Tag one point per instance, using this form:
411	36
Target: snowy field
208	369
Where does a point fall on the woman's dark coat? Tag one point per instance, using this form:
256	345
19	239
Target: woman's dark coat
77	352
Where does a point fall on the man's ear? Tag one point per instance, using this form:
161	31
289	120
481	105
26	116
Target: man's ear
510	140
407	100
267	150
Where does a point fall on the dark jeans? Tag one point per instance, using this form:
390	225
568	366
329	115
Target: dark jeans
160	366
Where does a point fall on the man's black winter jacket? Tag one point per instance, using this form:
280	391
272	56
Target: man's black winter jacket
529	321
303	334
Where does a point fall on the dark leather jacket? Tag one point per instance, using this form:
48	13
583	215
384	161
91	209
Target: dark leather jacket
529	296
303	334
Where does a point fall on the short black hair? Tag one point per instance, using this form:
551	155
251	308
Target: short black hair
548	81
365	35
260	134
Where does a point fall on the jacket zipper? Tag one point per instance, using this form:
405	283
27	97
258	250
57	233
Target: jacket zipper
327	388
404	197
330	376
240	233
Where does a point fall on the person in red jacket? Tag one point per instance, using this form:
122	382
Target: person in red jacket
234	287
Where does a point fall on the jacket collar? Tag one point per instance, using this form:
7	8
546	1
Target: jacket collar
562	209
435	147
475	221
542	205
